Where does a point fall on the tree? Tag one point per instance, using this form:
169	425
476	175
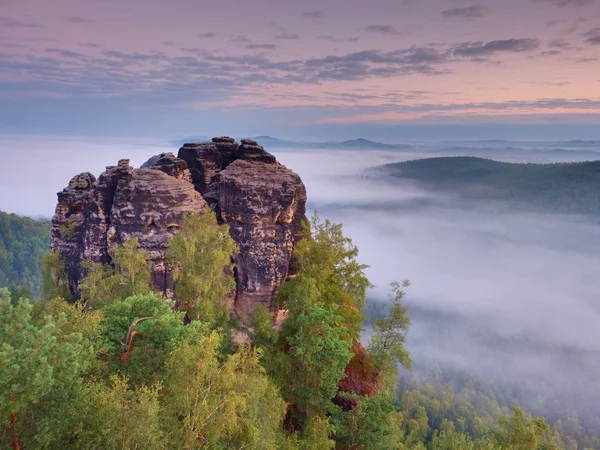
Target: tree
222	405
373	424
318	351
55	283
520	432
451	440
40	375
23	242
329	258
17	293
114	416
138	349
389	335
201	256
127	275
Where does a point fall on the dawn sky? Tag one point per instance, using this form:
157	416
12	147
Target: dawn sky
283	67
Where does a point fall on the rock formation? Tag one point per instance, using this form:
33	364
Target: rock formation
261	200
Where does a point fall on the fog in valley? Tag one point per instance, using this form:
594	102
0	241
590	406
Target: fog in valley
506	297
510	299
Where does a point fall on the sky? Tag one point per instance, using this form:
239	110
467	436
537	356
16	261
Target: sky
388	69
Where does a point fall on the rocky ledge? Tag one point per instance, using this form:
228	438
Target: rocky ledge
261	200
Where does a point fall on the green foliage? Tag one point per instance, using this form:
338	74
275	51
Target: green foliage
54	278
23	241
41	365
318	352
389	335
129	274
17	293
154	339
450	440
329	258
114	416
372	425
131	375
201	255
316	435
442	409
69	230
570	188
520	432
222	405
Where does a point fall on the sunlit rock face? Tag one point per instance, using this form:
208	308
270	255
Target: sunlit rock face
262	201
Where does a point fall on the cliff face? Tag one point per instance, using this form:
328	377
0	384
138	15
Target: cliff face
261	200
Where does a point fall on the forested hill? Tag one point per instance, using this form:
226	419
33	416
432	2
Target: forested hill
23	242
572	188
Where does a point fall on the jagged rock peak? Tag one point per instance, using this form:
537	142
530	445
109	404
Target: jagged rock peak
261	200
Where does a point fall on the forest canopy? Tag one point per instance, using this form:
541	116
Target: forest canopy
23	242
571	188
129	369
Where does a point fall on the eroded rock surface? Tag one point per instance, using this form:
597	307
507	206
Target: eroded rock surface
94	215
262	201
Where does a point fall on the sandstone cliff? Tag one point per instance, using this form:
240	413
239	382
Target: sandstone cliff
261	200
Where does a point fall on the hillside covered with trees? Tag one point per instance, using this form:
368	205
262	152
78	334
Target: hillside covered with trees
23	242
571	188
126	369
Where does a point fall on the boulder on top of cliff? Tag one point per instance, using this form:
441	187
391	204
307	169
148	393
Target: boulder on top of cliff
169	164
228	149
251	151
82	181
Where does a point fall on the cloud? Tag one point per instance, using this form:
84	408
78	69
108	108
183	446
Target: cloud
326	37
566	2
240	39
481	49
207	35
64	53
549	53
383	29
593	36
261	46
317	14
10	22
559	43
469	12
78	20
287	36
88	45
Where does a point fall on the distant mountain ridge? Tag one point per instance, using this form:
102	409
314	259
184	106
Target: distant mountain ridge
272	142
570	188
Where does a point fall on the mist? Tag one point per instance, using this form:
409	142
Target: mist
35	168
507	297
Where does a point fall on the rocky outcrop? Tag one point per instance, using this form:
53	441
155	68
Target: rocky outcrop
264	204
94	215
262	201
